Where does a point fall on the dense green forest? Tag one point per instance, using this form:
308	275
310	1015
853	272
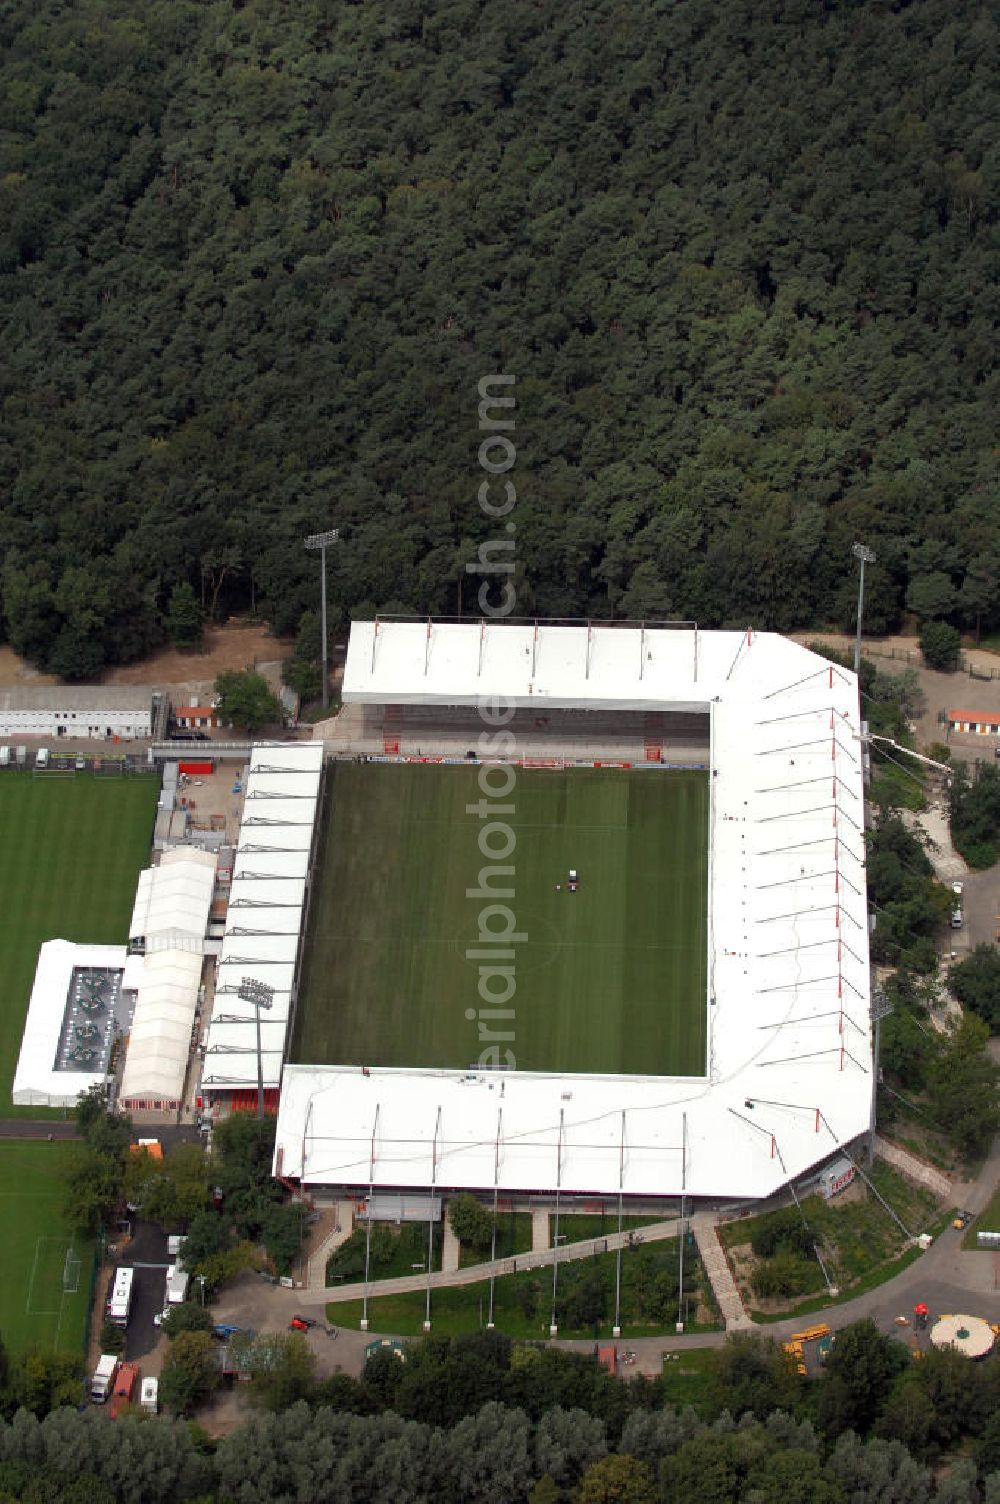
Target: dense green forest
255	258
476	1421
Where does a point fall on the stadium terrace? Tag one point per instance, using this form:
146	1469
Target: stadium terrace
787	1076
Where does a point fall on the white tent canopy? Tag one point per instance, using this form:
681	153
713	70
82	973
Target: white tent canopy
264	920
160	1039
170	918
173	899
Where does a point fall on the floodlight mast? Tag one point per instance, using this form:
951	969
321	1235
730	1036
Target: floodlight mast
881	1008
320	541
866	556
262	996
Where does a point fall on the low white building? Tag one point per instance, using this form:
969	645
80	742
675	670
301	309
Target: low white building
42	1079
87	711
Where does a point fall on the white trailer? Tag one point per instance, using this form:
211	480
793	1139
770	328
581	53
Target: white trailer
149	1396
177	1284
120	1297
103	1378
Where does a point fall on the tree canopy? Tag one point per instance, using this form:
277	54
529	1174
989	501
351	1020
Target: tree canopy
255	260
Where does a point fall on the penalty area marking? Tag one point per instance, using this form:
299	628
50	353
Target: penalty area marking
28	1311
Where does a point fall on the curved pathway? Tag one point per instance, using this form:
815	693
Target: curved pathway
946	1278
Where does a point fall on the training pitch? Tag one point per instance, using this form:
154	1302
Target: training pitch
43	1294
70	857
610	980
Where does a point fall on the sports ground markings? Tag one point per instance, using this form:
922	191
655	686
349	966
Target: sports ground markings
63	1245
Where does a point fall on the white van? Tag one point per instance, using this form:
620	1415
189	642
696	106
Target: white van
4	757
42	757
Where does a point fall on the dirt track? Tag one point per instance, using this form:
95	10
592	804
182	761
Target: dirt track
236	645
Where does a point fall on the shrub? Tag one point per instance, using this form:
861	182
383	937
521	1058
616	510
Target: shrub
470	1221
782	1231
940	645
187	1316
783	1275
112	1338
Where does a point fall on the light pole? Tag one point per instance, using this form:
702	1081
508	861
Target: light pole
201	1281
262	996
881	1008
320	541
866	556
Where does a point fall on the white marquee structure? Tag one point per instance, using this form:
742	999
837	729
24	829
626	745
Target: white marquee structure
266	914
789	1073
168	928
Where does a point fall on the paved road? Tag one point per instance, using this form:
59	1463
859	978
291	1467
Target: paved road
36	1128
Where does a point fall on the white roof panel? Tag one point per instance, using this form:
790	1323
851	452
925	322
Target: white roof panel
265	912
36	1081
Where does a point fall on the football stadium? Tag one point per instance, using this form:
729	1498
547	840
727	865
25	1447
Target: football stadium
576	909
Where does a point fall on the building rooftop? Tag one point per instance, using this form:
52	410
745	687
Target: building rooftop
75	697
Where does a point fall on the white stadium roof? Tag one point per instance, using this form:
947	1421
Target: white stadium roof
266	900
594	666
789	1067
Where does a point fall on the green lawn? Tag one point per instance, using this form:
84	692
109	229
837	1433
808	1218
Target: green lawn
689	1378
987	1221
35	1310
610	979
857	1237
523	1301
513	1236
393	1251
71	854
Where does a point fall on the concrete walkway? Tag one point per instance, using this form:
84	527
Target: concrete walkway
720	1275
539	1230
917	1170
340	1226
542	1258
451	1249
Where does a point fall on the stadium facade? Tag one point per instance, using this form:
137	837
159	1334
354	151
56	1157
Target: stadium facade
788	1080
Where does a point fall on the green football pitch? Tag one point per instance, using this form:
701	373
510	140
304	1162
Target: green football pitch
610	979
70	854
44	1294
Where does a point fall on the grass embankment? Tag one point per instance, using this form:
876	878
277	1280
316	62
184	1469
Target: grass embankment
522	1302
987	1221
860	1243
